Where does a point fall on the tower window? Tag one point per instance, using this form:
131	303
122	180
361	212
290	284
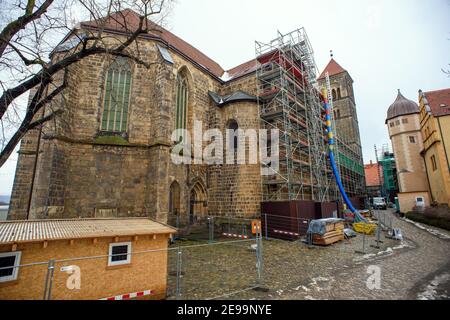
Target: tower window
117	96
412	139
405	121
433	163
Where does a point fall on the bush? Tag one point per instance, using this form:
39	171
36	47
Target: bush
436	216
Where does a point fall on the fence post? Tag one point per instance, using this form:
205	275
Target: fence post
211	229
259	257
49	280
179	272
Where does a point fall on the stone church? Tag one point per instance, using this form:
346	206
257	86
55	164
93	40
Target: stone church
108	155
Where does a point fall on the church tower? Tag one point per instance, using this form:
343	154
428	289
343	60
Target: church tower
347	128
345	114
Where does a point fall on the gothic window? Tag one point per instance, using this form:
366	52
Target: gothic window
116	99
182	99
333	92
339	93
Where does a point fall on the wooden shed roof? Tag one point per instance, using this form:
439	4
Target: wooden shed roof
52	230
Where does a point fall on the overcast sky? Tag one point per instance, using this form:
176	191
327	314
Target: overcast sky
385	45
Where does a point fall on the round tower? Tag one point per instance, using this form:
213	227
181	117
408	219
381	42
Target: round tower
403	121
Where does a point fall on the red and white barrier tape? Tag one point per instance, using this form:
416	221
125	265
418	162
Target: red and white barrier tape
233	235
288	233
129	296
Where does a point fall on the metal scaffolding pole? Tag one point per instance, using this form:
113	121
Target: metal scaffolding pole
289	100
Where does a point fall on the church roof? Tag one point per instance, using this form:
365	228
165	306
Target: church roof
332	68
401	107
127	21
238	96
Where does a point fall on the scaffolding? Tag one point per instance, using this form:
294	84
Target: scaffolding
289	100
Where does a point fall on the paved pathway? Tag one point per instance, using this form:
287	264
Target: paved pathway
418	269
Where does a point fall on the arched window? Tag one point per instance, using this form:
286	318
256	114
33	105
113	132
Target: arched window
116	99
233	138
333	92
339	93
182	100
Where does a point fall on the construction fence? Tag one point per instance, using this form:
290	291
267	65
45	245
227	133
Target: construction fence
185	270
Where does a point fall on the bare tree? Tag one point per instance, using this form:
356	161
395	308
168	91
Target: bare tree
30	64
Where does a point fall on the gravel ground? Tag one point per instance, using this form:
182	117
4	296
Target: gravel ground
417	268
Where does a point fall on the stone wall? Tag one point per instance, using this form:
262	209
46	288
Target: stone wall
83	173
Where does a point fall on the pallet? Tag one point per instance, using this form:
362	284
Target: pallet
329	240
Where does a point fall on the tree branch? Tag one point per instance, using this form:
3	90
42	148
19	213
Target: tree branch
20	23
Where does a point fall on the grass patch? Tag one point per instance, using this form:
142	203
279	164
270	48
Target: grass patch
431	220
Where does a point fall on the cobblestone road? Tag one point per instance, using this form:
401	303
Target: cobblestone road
419	270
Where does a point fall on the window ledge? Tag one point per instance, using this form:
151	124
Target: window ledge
119	267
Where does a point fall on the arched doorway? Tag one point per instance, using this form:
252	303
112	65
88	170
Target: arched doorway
174	204
198	203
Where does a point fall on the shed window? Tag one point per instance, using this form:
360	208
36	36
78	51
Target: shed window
9	266
119	253
117	96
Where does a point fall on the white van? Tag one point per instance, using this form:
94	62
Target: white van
379	204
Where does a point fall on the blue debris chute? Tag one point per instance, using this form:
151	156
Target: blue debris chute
358	216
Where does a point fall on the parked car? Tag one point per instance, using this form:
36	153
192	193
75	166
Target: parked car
379	204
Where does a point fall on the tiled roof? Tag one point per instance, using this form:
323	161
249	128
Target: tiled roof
128	21
51	230
332	68
437	100
243	69
373	173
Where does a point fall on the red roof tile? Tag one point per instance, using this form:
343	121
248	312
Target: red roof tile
373	174
243	69
128	21
332	68
437	99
